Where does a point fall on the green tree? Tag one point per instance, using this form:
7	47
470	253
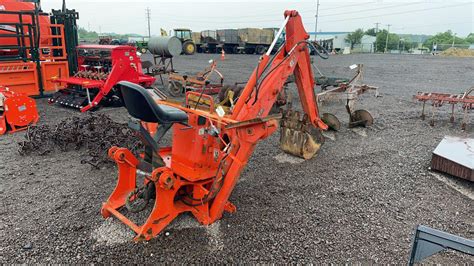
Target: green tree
371	32
355	37
87	35
393	40
444	38
470	38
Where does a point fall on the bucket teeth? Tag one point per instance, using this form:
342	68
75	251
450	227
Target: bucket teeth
298	136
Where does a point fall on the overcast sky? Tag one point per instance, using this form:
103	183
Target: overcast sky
424	16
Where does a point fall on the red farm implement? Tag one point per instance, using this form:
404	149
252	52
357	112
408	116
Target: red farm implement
101	67
437	99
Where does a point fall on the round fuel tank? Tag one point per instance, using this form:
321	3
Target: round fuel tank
165	46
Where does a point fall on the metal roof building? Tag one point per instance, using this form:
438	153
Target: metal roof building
334	39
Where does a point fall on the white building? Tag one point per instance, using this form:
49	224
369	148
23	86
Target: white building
332	40
337	41
367	44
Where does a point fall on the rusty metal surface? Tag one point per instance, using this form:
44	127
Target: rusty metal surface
93	135
297	135
348	93
361	117
455	156
332	121
438	99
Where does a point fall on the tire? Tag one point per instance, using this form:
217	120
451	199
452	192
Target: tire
189	48
175	88
249	50
260	49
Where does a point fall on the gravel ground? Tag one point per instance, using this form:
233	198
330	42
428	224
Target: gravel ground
357	201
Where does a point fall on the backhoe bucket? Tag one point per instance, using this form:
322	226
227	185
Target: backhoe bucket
298	136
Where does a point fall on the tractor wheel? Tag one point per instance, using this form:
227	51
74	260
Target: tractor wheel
189	48
260	49
235	50
175	88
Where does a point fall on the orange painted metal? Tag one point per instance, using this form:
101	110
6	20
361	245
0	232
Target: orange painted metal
17	111
206	157
16	5
23	75
20	77
51	71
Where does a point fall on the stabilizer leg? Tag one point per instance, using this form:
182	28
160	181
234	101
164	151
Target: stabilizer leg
162	214
126	183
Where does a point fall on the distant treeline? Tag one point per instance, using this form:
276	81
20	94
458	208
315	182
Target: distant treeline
410	41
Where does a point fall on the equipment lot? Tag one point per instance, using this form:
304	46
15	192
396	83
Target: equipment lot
357	201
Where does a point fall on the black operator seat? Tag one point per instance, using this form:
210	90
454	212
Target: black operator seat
141	105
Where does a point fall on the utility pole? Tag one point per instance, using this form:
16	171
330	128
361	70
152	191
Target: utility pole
376	32
386	40
148	17
377	27
316	24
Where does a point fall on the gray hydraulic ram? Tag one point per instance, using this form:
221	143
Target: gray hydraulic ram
428	241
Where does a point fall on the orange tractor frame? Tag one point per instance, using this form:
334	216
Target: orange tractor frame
209	148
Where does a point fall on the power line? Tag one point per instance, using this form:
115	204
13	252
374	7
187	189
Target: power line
372	9
301	12
337	20
401	12
430	25
344	6
279	11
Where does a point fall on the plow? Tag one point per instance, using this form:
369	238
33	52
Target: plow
220	142
348	92
438	99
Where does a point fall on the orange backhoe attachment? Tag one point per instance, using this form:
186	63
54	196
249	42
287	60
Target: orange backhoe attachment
17	111
210	147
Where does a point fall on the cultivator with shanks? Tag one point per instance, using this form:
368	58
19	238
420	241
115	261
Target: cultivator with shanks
438	99
220	142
